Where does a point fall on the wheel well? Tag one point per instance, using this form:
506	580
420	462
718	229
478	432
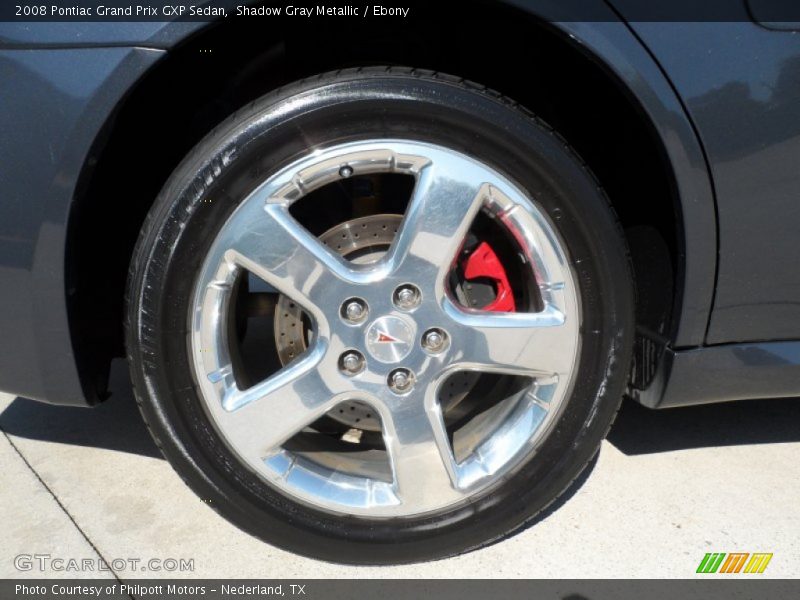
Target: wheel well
196	86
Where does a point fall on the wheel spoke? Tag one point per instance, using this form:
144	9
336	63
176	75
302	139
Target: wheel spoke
264	416
529	344
422	461
273	246
439	214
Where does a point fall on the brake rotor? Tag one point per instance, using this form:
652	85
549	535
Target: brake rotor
364	240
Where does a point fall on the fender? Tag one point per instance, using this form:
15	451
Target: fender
35	338
616	47
50	122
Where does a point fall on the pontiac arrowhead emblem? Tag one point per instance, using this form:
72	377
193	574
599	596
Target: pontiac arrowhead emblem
385	338
390	339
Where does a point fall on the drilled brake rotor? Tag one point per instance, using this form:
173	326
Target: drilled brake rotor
364	240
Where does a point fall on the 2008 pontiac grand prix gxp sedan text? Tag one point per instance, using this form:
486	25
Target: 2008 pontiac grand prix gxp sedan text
379	313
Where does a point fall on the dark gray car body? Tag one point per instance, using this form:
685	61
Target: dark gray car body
723	98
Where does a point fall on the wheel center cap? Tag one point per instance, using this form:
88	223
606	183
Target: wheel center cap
390	339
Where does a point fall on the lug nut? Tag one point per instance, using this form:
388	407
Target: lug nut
434	340
401	380
352	362
407	297
354	310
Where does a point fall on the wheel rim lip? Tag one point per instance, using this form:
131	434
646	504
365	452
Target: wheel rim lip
384	502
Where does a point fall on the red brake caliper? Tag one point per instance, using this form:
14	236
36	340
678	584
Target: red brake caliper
483	262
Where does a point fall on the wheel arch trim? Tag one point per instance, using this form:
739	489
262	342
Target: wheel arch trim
612	44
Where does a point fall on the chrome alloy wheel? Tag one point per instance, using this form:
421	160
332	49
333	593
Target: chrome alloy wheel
414	335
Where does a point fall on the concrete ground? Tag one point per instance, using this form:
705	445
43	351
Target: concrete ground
667	488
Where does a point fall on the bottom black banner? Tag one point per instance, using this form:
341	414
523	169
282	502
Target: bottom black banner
369	589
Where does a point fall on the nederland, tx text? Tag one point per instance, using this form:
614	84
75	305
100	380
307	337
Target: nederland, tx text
370	10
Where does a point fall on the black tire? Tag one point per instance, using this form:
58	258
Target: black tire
351	105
